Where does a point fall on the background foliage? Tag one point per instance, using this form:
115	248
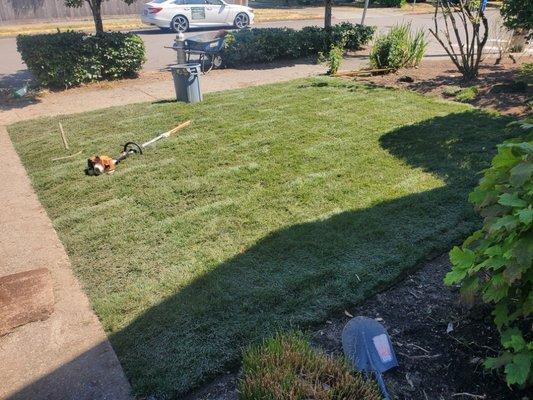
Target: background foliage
65	59
268	44
495	262
391	3
518	14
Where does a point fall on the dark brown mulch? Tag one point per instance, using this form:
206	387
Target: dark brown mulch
434	364
497	84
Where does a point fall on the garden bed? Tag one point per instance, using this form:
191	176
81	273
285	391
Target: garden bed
278	207
433	363
496	84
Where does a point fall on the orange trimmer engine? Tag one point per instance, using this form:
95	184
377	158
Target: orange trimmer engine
97	165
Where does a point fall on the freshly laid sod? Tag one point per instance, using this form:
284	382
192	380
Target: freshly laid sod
280	205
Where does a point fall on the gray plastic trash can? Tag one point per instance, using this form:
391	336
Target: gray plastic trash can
187	82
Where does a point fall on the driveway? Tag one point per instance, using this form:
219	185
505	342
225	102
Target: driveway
13	70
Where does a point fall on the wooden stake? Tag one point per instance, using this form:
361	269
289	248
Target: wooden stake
63	137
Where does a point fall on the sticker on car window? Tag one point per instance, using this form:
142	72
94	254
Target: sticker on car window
197	12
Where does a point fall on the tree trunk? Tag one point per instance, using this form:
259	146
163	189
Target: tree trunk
327	13
96	9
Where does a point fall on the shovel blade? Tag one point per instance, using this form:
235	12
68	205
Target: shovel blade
367	345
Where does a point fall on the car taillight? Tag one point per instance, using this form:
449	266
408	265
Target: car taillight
154	10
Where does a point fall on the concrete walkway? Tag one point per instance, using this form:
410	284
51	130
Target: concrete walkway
153	86
68	355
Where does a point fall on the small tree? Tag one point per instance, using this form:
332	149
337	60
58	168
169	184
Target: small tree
463	19
328	5
96	9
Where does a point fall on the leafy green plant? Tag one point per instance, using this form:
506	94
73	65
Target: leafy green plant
286	367
467	94
333	59
66	59
260	45
400	47
495	262
451	90
526	73
518	14
392	3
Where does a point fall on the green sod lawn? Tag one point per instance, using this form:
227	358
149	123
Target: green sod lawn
280	205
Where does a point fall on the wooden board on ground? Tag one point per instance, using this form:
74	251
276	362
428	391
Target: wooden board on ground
25	297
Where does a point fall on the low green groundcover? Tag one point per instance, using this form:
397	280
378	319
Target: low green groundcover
280	205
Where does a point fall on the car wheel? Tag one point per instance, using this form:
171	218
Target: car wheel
242	20
179	24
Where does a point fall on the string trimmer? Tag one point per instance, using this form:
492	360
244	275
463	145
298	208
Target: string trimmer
97	165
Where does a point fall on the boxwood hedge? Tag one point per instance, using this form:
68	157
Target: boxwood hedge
66	59
268	44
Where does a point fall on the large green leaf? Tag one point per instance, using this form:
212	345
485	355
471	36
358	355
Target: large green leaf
523	251
463	258
525	215
512	200
521	173
518	370
512	339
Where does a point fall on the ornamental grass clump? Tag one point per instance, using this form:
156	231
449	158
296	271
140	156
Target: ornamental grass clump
495	263
398	48
287	368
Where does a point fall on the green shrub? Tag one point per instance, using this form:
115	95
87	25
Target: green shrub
260	45
391	3
286	367
66	59
526	73
451	91
398	48
495	262
354	36
467	94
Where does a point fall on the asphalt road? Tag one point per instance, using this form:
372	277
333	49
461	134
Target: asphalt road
13	70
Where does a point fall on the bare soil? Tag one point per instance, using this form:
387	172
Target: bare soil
497	84
439	342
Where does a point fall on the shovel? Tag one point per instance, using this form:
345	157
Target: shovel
367	346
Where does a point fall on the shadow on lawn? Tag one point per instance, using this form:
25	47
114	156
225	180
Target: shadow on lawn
299	275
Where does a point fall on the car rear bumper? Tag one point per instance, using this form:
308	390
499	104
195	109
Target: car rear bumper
151	20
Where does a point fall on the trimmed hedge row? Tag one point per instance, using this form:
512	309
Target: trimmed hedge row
66	59
259	45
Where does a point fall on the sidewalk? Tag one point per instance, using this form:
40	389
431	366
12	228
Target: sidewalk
68	355
154	86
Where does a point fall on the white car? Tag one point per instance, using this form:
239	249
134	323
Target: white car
180	15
